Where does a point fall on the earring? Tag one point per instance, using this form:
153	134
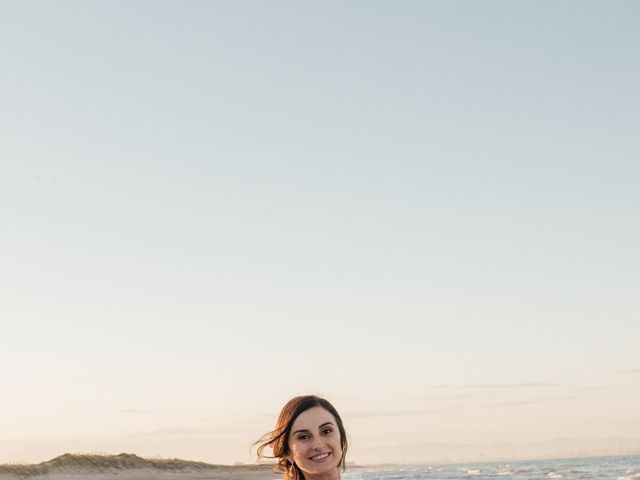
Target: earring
292	469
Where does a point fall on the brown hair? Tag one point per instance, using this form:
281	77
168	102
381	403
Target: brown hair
278	439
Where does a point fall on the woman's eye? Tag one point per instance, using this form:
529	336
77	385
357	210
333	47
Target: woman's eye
327	431
303	437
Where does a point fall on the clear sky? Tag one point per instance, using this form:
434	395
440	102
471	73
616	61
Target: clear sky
425	211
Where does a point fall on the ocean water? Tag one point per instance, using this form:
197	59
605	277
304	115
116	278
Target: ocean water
615	468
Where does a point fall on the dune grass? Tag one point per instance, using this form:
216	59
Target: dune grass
95	463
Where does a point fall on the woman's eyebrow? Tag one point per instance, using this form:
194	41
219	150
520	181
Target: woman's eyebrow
307	431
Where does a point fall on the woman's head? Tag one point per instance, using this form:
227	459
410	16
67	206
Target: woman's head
309	438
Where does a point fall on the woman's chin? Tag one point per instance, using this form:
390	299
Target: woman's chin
317	468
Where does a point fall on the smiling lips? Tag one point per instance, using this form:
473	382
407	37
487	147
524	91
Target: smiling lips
320	456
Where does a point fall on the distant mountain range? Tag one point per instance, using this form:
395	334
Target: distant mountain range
449	453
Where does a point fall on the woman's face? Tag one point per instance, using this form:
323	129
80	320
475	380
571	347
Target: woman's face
314	443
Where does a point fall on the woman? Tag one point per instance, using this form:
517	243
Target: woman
309	440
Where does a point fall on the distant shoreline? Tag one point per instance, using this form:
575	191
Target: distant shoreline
494	460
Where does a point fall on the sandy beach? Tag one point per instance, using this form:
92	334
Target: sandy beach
151	474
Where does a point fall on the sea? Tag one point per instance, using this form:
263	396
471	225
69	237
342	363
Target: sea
614	468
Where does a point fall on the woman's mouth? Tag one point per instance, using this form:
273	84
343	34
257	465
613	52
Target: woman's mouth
320	457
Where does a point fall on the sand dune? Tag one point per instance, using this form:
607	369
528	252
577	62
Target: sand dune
131	467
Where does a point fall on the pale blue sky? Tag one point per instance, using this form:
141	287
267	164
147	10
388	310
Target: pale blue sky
209	207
